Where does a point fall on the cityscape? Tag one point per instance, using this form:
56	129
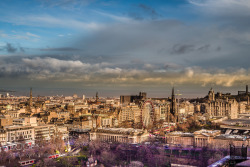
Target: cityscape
124	83
133	130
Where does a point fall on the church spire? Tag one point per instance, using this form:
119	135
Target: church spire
96	97
173	96
30	100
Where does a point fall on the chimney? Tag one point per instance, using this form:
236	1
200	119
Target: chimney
247	89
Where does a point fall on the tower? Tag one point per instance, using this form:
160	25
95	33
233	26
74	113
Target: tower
173	106
30	100
96	97
211	95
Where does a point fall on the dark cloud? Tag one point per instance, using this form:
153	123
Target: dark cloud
204	48
182	49
22	49
185	48
10	48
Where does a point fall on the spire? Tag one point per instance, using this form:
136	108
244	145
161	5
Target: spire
96	97
172	92
30	100
172	110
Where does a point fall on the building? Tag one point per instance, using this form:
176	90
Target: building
5	121
126	99
120	135
44	132
16	113
244	92
180	138
224	140
222	108
201	138
26	121
173	108
62	131
2	137
106	122
19	133
126	114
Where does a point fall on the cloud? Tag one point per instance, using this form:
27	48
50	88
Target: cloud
150	11
115	17
67	71
226	11
143	12
66	4
50	21
10	48
63	49
181	49
32	35
187	48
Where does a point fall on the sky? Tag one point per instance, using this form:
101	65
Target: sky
124	46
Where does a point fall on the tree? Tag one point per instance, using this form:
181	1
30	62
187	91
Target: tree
82	140
58	143
29	153
68	161
3	156
108	158
96	147
46	162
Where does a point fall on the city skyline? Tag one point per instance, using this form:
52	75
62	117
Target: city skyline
111	93
116	47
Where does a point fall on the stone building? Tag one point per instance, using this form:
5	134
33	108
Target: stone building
177	138
126	99
162	111
5	121
44	132
120	135
2	137
201	138
206	138
25	121
16	133
130	113
222	108
224	140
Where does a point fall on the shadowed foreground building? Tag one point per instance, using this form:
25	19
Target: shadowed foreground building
120	135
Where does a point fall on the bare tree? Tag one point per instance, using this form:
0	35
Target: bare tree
82	140
46	162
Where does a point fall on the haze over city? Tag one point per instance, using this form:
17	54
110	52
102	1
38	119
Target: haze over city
119	46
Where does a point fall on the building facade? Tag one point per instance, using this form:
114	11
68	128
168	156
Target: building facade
120	135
